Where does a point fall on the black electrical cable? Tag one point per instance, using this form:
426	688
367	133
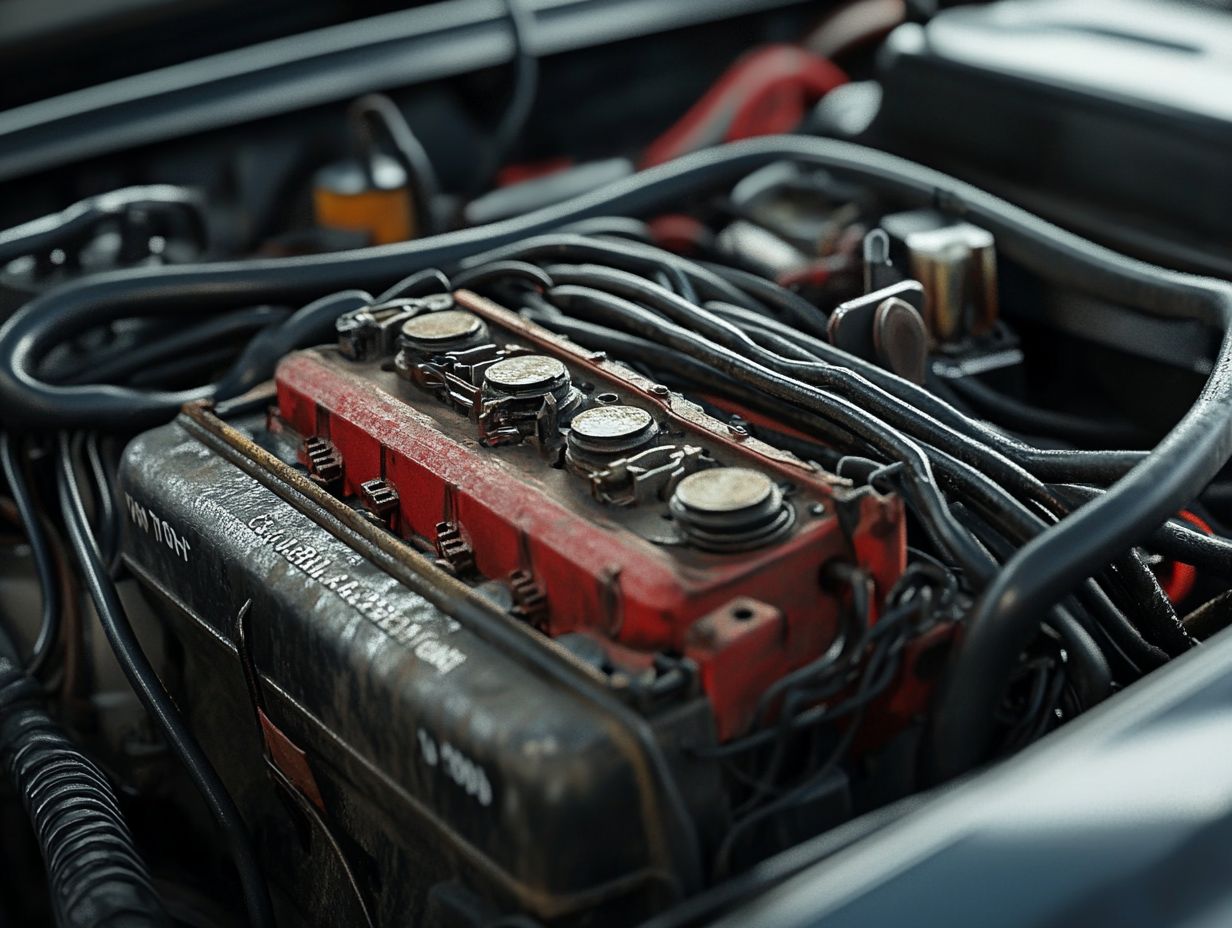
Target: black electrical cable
1038	669
690	371
104	502
59	229
117	365
625	345
1174	539
1020	525
1166	628
902	602
1002	507
766	337
1162	625
848	643
625	255
944	530
421	174
525	90
40	553
913	402
869	684
144	680
793	360
95	875
475	277
1015	414
1141	587
848	647
308	325
419	283
1127	644
1088	666
674	279
794	308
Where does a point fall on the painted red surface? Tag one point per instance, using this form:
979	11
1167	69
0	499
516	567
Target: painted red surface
745	618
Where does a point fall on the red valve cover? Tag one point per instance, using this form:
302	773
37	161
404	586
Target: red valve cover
501	507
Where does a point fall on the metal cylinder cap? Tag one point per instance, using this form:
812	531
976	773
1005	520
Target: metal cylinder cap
602	433
730	509
443	330
526	375
724	489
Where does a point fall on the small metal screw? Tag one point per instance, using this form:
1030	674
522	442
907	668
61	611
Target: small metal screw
659	390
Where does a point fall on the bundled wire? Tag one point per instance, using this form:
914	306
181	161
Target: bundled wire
873	676
1010	515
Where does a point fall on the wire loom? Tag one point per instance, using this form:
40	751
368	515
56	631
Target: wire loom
97	878
1144	490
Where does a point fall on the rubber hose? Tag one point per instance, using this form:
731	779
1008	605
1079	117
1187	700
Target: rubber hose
95	876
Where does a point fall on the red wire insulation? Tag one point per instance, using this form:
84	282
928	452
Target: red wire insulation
766	91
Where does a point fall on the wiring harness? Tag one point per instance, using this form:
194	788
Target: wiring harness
1033	554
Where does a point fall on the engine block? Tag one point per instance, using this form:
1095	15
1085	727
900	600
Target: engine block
612	514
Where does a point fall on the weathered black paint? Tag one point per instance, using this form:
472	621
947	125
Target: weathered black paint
438	754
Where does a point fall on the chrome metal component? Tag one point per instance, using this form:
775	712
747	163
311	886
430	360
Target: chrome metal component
957	264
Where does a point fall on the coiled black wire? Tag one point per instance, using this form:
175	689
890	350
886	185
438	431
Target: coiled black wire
144	681
95	875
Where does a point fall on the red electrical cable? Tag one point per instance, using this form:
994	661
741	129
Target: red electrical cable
766	91
1178	579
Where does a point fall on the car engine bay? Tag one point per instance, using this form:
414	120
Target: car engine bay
607	463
